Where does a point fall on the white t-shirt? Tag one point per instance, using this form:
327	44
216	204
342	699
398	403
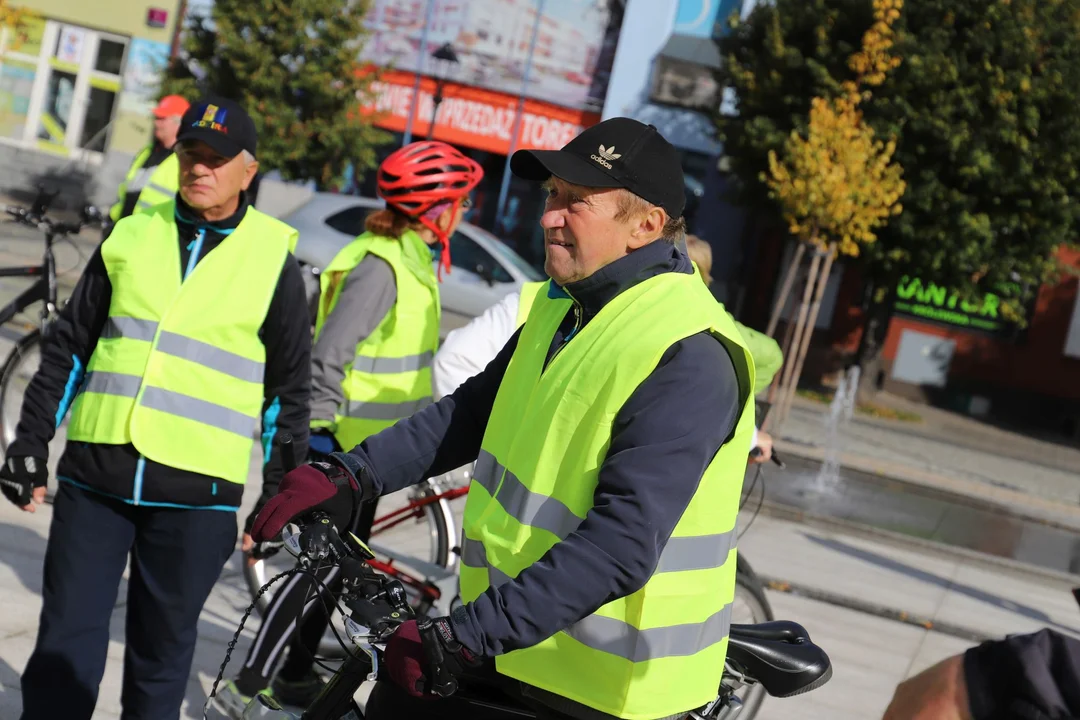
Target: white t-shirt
469	349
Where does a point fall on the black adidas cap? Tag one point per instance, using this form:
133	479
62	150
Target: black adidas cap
619	152
222	124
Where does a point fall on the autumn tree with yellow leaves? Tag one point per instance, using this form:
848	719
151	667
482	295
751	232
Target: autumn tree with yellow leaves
12	16
836	183
979	108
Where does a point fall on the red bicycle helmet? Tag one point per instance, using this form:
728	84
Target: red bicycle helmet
424	175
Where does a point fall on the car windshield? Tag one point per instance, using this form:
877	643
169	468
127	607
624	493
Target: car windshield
516	260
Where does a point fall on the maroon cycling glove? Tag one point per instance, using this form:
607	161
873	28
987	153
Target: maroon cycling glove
330	487
407	663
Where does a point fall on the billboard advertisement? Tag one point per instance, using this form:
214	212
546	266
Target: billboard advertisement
575	41
473	117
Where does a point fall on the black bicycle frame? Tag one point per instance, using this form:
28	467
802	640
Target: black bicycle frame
44	289
337	697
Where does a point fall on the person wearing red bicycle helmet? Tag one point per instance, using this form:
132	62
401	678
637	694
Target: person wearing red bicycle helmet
376	333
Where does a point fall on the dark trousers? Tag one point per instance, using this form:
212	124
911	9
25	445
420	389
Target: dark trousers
176	557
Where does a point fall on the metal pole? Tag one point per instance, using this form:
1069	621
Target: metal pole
419	72
504	188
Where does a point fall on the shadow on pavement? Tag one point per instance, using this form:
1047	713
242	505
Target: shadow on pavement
10	693
974	593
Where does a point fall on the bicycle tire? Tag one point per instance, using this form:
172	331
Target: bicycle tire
26	348
750	593
18	354
256	575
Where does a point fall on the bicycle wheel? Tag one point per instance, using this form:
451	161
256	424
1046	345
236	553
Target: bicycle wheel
396	539
750	607
19	368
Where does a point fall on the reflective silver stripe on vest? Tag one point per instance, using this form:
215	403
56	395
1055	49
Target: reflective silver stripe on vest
487	471
534	509
616	637
144	203
387	366
695	553
110	383
163	190
525	506
209	356
474	555
384	411
118	326
200	411
138	181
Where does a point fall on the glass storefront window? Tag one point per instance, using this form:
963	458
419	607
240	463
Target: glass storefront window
16	84
98	115
56	113
110	56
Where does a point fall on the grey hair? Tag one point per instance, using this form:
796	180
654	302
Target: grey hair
248	157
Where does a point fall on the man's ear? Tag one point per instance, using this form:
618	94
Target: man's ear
249	173
648	228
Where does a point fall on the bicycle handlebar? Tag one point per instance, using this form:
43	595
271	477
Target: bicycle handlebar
40	221
376	602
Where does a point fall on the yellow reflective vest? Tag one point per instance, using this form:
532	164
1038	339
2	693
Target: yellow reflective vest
660	650
178	369
528	294
389	377
159	187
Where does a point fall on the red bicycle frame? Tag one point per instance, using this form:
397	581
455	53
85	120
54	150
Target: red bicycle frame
414	509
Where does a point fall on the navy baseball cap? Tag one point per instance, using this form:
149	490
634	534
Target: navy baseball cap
616	153
222	124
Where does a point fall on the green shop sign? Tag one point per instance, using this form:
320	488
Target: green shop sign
939	304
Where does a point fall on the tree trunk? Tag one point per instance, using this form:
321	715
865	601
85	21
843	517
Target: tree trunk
804	346
785	289
785	352
800	323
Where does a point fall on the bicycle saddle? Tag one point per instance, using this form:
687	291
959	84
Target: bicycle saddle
780	656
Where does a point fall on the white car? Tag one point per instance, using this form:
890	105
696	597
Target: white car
484	268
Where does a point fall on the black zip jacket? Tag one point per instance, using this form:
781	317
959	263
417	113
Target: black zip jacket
116	469
663	439
1035	676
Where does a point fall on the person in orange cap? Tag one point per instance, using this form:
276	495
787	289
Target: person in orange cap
155	174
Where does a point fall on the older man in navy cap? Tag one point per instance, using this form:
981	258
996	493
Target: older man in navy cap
187	332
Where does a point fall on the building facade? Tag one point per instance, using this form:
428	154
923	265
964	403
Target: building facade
498	97
76	89
664	74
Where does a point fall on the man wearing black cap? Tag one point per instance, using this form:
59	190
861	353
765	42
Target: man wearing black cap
186	336
610	436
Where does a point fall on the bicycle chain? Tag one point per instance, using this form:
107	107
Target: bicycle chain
236	635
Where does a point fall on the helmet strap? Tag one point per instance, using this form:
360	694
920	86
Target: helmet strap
444	246
444	241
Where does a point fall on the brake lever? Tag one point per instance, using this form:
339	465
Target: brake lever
264	550
360	637
290	539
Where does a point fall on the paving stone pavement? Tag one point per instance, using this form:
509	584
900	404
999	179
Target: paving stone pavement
870	654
